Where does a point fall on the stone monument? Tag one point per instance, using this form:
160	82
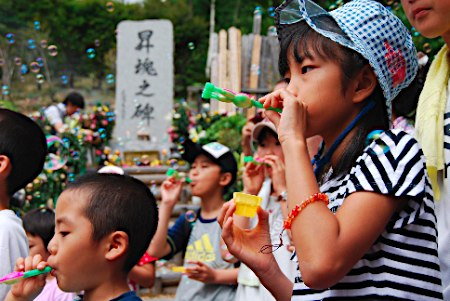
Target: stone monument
144	85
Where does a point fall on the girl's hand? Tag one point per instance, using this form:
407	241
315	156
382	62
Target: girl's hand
28	289
246	244
201	272
291	124
170	191
278	173
253	178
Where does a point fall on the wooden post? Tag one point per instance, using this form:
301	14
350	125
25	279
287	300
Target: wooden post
234	62
223	66
256	56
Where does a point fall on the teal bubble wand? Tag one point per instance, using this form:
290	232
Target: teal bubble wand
15	277
240	100
256	161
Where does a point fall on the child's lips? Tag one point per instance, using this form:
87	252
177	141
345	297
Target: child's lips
419	12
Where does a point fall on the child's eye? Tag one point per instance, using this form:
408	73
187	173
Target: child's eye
306	69
63	233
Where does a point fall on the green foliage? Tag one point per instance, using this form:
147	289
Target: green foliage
6	104
227	131
75	25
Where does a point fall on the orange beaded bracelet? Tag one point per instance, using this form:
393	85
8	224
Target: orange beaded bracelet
299	207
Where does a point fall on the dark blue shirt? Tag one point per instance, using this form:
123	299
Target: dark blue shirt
128	296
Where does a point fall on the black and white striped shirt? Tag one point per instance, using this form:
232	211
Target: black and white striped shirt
403	263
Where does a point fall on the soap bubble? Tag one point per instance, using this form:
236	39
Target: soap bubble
18	61
37	25
427	48
257	11
272	31
110	79
110	6
44	43
52	50
2	62
90	53
64	79
31	44
191	46
24	69
10	38
190	216
40	61
5	90
34	67
40	79
414	32
97	43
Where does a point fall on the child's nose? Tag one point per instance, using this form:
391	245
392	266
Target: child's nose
52	246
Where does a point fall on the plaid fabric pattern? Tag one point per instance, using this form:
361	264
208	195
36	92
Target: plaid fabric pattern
371	30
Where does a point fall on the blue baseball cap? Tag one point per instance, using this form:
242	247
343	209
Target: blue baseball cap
367	28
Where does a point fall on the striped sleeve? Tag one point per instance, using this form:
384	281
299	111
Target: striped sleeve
392	164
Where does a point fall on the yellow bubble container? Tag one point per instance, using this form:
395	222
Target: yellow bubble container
179	269
246	204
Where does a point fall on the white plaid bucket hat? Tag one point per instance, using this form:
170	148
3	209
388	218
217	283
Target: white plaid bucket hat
369	29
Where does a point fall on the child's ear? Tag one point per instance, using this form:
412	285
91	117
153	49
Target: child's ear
225	178
117	245
5	166
365	84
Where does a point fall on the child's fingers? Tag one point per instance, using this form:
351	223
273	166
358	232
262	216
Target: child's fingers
263	218
20	264
223	211
227	232
274	117
28	263
36	260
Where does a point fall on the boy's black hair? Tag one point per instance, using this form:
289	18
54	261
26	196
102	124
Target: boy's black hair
74	98
120	203
24	143
299	41
40	222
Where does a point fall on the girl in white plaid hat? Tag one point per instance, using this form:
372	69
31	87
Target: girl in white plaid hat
362	215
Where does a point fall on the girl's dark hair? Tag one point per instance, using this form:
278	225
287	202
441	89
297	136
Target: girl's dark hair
265	132
301	41
40	222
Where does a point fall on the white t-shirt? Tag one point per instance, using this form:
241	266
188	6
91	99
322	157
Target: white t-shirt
443	206
13	244
249	287
55	114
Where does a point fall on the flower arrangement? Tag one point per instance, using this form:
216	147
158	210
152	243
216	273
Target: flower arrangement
68	153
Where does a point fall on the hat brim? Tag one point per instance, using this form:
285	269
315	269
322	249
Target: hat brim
257	130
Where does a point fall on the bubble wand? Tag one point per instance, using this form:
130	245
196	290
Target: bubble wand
172	173
240	100
15	277
256	161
